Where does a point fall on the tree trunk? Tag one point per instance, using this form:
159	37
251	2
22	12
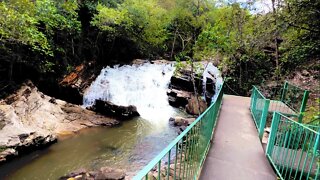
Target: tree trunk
174	42
194	87
276	39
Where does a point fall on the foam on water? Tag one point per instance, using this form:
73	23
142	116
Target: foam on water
143	86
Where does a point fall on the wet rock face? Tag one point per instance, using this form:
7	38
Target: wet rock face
183	81
73	85
178	98
30	120
181	91
196	107
109	109
105	173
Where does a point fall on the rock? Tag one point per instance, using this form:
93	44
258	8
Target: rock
73	85
210	89
151	176
116	111
105	173
178	98
75	174
181	87
183	81
162	61
29	120
193	108
305	73
139	61
7	153
110	174
181	121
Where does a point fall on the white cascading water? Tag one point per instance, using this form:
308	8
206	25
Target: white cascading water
143	86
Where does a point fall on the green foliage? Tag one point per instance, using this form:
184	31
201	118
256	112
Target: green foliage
312	114
108	18
144	22
249	48
19	25
33	23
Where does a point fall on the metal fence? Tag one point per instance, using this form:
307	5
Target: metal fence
259	109
287	99
294	148
183	157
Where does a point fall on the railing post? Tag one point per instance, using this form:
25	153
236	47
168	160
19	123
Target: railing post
254	99
252	95
264	117
273	132
316	151
303	105
284	91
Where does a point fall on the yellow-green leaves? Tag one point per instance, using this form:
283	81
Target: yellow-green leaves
32	23
144	21
107	18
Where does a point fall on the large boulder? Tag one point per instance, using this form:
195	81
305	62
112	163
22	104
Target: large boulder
196	107
182	80
73	85
30	120
178	98
110	109
210	89
24	143
181	87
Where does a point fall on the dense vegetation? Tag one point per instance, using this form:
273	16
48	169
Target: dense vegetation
51	36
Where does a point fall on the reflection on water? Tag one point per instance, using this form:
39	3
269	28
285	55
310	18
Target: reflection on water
130	147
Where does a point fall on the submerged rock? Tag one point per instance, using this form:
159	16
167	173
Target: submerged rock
105	173
109	109
31	120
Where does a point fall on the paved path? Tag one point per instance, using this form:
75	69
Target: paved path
236	152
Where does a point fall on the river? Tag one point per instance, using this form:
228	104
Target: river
129	146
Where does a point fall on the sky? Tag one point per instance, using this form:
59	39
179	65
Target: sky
259	6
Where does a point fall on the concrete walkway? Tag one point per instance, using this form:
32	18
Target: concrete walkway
236	152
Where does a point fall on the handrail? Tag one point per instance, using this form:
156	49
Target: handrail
187	149
289	97
259	107
284	100
293	148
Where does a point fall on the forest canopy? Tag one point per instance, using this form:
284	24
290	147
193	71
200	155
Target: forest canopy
248	46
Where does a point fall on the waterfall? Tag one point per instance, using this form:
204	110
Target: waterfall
143	86
209	72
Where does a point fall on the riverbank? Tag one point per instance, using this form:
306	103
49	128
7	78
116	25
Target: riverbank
30	120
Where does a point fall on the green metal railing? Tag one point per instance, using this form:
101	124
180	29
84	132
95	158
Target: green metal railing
259	109
183	157
294	148
289	100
